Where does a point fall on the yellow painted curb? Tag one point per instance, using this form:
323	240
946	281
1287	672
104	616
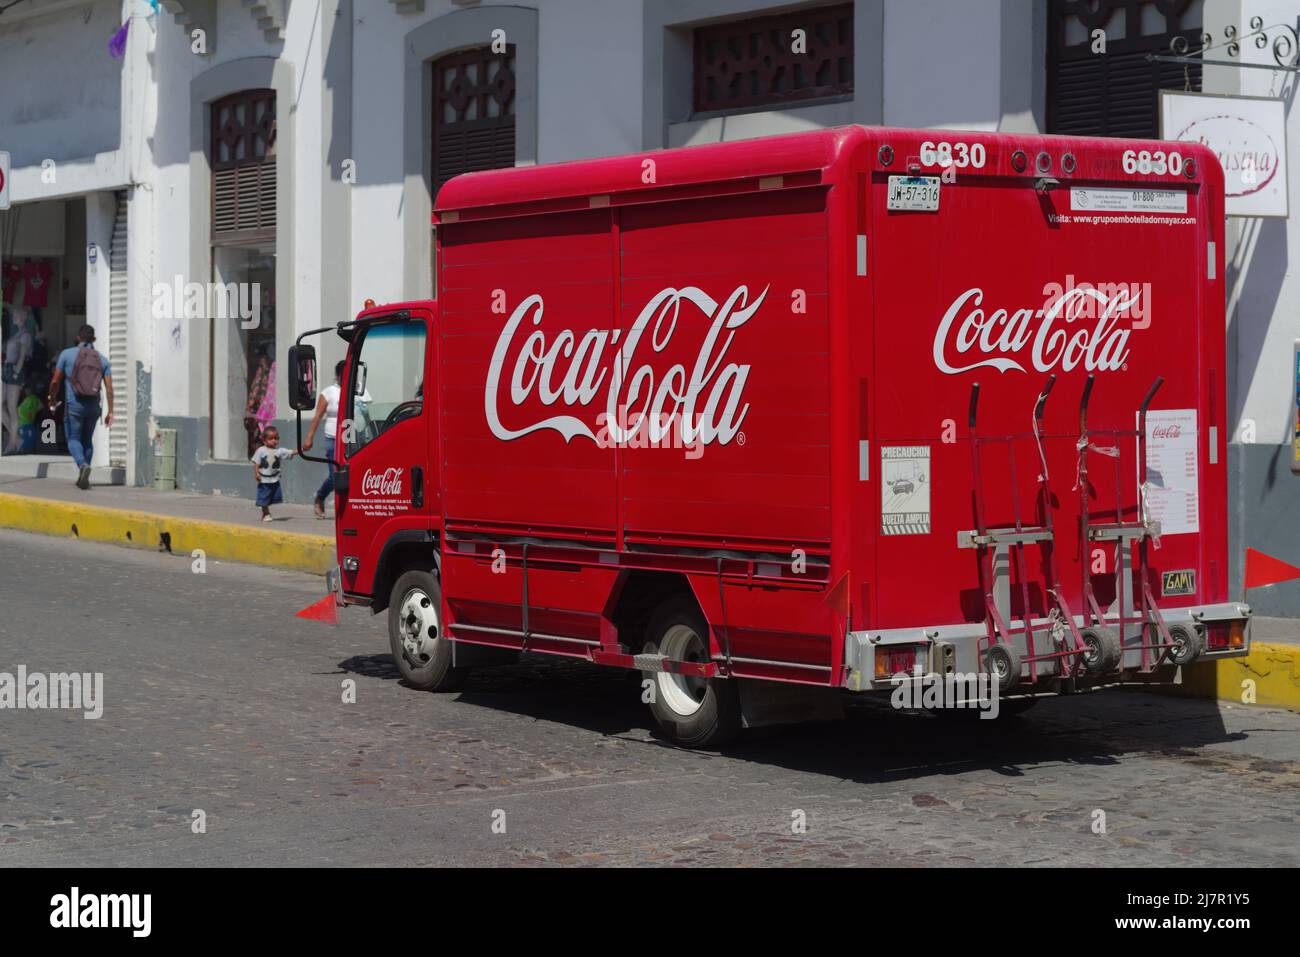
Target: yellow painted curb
1274	670
218	540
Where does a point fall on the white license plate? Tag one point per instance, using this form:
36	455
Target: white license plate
916	193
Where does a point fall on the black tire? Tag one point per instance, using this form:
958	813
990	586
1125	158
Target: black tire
1003	663
716	718
1188	643
424	661
1102	650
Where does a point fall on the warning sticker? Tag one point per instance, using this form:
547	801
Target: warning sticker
905	490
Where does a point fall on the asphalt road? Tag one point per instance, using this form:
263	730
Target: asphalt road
217	699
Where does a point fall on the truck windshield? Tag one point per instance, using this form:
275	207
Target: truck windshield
387	381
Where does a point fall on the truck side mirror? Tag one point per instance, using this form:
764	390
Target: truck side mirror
302	378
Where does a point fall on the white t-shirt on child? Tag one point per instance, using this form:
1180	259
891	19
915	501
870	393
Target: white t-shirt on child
268	464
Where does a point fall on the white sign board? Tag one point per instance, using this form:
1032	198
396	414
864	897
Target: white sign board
1173	473
4	180
1246	133
1094	199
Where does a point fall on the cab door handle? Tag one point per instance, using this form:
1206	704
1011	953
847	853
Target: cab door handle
417	487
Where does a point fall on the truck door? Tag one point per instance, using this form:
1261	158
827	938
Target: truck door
384	427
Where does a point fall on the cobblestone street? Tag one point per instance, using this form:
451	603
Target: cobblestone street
217	699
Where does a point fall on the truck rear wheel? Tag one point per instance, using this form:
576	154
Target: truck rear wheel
1188	643
694	712
1102	650
420	650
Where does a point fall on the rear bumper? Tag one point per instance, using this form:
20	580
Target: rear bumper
956	650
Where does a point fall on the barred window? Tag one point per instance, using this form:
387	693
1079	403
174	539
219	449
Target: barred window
473	113
756	62
1116	93
243	167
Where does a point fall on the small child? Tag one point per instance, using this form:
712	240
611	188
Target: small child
266	467
28	410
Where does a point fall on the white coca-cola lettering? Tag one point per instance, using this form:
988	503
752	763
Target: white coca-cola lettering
1057	341
704	401
387	482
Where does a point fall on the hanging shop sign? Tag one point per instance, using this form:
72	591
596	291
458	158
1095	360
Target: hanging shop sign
1246	133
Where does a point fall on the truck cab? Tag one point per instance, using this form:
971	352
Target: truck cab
386	499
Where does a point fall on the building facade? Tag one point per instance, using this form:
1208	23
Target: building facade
297	147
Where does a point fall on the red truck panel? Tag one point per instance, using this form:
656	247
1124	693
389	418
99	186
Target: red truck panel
764	295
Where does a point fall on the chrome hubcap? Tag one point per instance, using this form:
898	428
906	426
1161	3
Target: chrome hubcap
683	694
420	633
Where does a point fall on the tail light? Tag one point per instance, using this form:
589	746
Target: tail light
1225	635
895	659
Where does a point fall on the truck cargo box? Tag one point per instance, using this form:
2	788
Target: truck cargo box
746	374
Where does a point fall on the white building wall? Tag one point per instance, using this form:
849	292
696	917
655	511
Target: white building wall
591	73
941	64
173	391
62	94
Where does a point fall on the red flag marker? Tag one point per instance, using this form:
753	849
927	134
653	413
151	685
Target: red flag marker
837	599
323	610
1264	569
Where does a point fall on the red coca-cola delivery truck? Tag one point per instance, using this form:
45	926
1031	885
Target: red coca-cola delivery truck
790	421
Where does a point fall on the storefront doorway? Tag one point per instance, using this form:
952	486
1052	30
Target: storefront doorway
43	287
243	351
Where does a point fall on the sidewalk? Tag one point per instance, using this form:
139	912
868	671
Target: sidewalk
223	527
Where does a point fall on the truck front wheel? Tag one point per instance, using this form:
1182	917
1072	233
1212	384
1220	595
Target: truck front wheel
694	712
420	650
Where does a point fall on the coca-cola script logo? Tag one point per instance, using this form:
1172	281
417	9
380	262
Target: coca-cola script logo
387	482
702	399
1062	334
1167	432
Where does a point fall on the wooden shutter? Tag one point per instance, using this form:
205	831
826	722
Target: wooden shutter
1115	93
473	113
243	168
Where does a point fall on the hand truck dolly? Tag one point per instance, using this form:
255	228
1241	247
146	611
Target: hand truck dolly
1179	643
1000	555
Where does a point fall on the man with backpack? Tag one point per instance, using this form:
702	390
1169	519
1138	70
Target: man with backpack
84	370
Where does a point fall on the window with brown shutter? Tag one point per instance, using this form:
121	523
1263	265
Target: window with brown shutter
751	63
473	113
1116	93
243	168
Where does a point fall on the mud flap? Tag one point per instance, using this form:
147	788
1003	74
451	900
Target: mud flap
770	702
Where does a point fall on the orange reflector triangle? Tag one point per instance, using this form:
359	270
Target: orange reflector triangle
323	610
1264	569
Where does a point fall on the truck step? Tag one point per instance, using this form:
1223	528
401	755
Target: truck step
691	669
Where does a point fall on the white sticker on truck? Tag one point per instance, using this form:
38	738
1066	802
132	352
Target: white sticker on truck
905	490
1096	200
1173	473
